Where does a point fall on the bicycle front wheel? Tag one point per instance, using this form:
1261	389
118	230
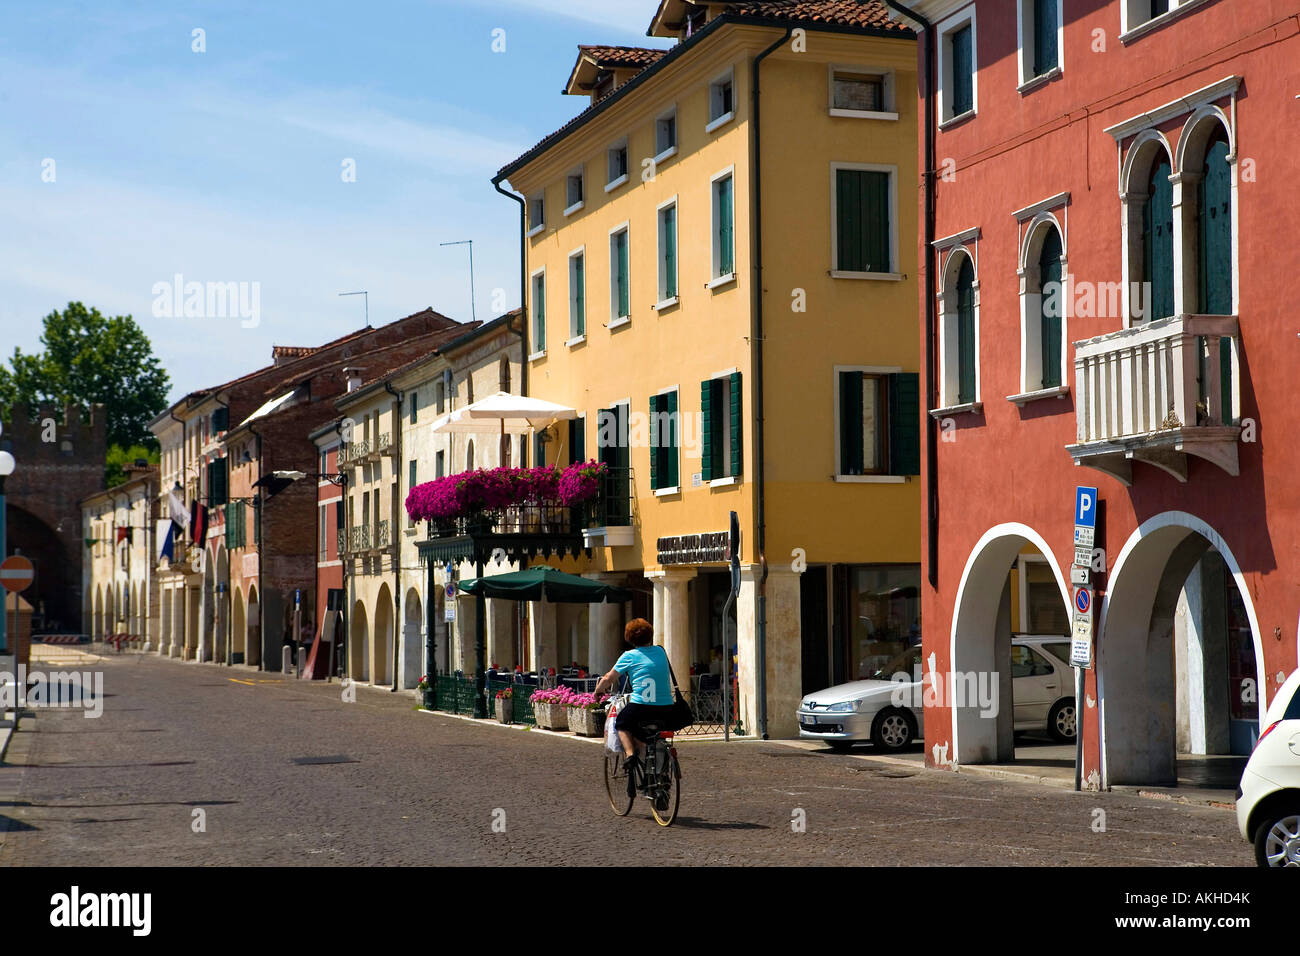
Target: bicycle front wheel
667	793
616	784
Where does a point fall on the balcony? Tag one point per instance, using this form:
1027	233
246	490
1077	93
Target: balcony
383	537
1157	393
342	542
359	538
610	514
354	451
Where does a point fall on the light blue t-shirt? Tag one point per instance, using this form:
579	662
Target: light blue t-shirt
648	669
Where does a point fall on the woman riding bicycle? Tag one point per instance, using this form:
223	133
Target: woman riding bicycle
646	666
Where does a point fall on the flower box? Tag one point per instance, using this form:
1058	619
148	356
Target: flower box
587	722
505	710
551	716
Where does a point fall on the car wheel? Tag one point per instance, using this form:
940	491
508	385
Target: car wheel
893	729
1277	841
1063	721
840	746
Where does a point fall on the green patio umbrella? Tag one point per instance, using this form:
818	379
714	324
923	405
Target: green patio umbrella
543	581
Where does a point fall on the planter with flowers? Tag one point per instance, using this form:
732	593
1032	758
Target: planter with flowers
476	501
505	706
549	708
587	714
425	687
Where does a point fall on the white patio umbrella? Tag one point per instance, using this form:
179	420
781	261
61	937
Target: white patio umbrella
503	414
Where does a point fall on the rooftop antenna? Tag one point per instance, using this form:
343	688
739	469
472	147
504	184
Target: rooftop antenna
470	242
367	295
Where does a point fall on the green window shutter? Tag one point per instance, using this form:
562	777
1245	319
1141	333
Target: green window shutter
733	453
862	221
963	86
221	419
726	230
850	423
577	440
623	297
966	333
539	450
412	472
905	423
1158	242
217	482
1044	36
257	521
580	296
670	253
1051	304
655	450
1215	232
668	403
706	429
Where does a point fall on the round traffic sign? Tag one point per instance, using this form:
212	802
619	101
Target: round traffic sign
16	572
1082	600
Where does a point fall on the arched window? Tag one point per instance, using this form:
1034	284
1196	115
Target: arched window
1051	306
1158	243
1214	229
966	332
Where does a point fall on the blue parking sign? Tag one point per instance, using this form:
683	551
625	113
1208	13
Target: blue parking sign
1085	507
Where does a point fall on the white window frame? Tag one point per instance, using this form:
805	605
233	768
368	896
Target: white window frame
666	302
532	309
537	199
725	376
890	111
1026	30
715	257
616	320
949	340
727	76
837	273
1131	29
677	488
1031	346
666	153
944	30
613	182
576	337
579	173
839	476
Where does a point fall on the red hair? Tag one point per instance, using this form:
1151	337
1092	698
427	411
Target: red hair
638	632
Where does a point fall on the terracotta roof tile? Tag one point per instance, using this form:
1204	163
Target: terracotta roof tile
622	56
844	13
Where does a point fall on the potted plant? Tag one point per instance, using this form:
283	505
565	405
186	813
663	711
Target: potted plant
587	714
425	687
505	706
549	709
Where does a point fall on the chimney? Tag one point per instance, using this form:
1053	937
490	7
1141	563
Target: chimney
353	378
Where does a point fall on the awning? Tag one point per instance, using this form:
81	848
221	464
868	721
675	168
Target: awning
540	582
503	413
271	406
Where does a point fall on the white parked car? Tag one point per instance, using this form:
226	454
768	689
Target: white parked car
1268	798
889	712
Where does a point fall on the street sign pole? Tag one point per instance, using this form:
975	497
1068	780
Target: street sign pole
733	557
1086	506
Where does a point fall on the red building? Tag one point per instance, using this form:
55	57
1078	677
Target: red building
1106	306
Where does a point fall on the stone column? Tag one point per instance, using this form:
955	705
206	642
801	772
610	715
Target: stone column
604	629
673	609
541	635
462	653
500	633
784	651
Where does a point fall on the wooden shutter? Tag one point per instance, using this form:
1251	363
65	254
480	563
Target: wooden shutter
1215	232
726	240
623	305
1049	272
1158	242
963	87
655	450
1044	36
850	423
905	423
580	296
670	253
849	256
706	429
220	419
577	440
669	476
966	332
862	221
733	453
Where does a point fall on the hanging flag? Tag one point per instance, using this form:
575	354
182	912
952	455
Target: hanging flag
176	505
168	541
123	534
200	523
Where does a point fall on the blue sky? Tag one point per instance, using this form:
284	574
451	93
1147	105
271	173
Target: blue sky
225	165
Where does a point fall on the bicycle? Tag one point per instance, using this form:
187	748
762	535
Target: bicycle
659	777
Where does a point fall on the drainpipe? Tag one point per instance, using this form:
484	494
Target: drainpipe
396	556
756	346
523	287
928	182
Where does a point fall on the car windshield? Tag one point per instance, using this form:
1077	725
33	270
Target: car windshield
908	662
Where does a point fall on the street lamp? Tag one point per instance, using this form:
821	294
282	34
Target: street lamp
7	465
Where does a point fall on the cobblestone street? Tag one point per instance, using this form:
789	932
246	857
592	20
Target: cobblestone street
422	789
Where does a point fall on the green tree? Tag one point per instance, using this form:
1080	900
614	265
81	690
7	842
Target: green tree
119	458
91	358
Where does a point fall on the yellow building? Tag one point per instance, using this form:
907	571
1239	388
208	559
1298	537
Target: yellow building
797	408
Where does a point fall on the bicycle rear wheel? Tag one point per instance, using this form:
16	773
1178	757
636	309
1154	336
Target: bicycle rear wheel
616	784
667	793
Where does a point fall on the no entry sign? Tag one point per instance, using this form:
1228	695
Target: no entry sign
16	573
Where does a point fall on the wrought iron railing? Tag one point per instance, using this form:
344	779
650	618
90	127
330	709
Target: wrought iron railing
359	538
355	451
383	535
612	506
383	444
341	541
